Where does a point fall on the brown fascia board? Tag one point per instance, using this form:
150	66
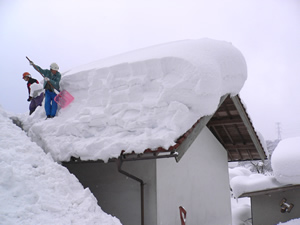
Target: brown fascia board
270	191
239	106
188	141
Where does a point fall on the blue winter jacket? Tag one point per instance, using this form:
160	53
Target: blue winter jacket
54	78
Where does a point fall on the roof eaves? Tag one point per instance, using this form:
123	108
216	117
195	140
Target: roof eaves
270	191
237	102
191	136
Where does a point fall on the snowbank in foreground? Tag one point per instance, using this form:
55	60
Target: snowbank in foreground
142	99
285	161
291	222
241	211
36	190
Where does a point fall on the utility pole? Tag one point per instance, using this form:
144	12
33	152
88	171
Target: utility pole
278	131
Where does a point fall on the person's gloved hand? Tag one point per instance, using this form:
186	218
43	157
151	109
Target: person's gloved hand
29	99
46	79
31	63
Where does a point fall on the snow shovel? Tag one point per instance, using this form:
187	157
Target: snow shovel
63	98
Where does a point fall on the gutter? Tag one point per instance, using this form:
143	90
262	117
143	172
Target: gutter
142	184
122	158
127	158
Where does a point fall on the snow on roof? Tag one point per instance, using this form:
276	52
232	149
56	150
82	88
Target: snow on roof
36	190
251	182
139	100
285	161
286	168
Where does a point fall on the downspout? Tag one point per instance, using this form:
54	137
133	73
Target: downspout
119	163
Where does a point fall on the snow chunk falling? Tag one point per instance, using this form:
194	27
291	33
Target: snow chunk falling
139	100
285	161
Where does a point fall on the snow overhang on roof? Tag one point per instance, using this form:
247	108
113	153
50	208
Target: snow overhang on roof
149	98
231	126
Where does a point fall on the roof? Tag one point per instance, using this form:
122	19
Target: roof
231	126
270	191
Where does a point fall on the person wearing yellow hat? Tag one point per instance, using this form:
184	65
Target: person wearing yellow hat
35	92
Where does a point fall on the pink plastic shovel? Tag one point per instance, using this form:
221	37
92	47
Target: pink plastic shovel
63	98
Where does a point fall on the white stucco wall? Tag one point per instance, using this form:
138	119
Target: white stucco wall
199	183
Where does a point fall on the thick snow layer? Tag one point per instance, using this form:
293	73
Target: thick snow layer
254	182
36	190
139	100
285	161
243	180
238	171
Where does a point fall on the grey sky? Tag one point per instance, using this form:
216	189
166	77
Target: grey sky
76	32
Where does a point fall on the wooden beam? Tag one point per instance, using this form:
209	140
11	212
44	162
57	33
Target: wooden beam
228	135
217	135
227	121
239	146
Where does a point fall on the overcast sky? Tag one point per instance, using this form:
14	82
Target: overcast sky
76	32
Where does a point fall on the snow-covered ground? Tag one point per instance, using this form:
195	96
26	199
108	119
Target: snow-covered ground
291	222
36	190
241	211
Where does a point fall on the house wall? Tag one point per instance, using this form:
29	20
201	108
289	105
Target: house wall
199	183
117	194
266	208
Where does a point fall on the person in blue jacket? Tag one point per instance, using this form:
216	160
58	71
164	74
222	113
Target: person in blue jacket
51	81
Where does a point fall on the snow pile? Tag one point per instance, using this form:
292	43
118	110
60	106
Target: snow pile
241	211
238	171
285	161
243	180
254	182
139	100
36	190
291	222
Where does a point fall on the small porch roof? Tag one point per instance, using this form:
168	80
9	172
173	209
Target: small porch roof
270	191
231	125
